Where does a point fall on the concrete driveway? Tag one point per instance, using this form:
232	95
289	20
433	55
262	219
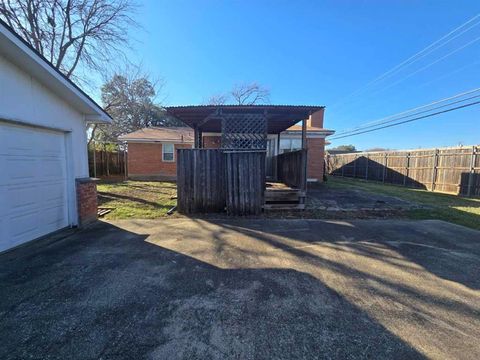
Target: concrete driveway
245	289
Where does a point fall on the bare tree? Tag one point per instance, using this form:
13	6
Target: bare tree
69	33
242	94
219	99
250	94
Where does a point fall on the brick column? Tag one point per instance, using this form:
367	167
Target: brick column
86	200
315	159
316	119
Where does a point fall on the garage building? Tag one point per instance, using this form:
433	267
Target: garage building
44	183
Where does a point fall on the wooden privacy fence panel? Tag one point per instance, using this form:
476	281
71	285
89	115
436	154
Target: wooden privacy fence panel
106	162
200	180
212	180
290	166
450	170
245	182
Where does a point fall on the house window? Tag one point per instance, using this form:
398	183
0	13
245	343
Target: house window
287	145
167	152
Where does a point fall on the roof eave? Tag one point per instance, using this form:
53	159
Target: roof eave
207	117
18	51
312	132
143	140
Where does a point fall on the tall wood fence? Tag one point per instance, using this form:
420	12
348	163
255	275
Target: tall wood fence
289	168
210	180
245	182
200	181
104	163
454	170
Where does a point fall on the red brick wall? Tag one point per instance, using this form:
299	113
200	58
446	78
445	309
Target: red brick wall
86	200
212	142
316	119
145	161
315	158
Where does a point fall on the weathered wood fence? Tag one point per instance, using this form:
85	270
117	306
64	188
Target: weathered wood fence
289	168
106	162
200	181
245	182
213	180
450	170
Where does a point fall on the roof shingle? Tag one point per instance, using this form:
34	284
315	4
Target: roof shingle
172	134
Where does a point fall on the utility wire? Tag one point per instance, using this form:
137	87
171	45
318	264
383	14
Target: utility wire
422	53
428	65
407	121
446	75
423	68
414	114
382	120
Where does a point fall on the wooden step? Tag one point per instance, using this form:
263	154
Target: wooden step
284	206
285	191
281	197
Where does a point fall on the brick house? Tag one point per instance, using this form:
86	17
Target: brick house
291	139
151	151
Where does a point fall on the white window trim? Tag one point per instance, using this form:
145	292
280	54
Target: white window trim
163	152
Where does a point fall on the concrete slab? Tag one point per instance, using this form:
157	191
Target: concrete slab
351	200
249	289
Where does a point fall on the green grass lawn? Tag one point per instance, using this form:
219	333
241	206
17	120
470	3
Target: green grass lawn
456	209
152	199
136	199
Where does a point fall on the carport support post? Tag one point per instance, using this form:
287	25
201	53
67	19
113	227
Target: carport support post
277	152
304	155
197	138
94	160
473	161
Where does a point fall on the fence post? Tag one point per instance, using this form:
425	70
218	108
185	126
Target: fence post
118	158
327	159
473	161
366	167
384	167
355	167
125	168
434	169
407	166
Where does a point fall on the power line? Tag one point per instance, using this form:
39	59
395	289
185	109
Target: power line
407	121
418	113
378	91
412	59
428	65
446	75
383	120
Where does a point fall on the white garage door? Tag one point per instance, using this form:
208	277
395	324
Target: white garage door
33	184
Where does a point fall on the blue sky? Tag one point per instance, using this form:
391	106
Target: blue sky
318	52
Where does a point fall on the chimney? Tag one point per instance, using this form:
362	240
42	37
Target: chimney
316	119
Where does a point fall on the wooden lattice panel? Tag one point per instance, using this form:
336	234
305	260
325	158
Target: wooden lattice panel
244	132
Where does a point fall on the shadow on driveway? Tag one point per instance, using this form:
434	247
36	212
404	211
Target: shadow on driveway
243	289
